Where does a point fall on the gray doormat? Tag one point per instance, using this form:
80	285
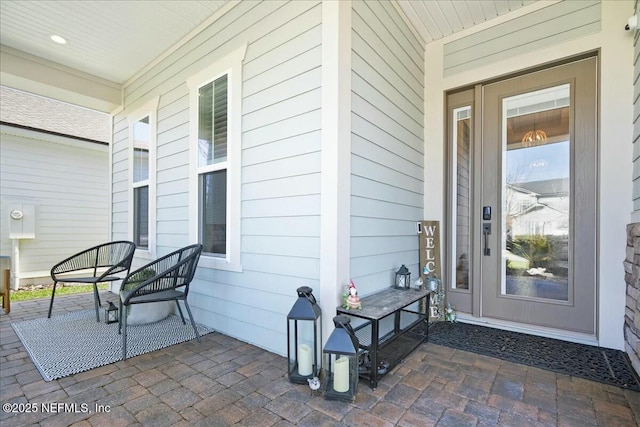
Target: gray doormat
593	363
74	342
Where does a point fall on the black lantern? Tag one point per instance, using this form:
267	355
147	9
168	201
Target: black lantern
340	354
304	332
403	278
111	313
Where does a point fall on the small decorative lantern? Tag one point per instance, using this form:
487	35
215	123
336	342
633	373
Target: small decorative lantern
403	278
340	381
304	333
111	313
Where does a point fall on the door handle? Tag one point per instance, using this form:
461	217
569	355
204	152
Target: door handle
486	230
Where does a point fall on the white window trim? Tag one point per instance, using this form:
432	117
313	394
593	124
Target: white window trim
232	66
149	109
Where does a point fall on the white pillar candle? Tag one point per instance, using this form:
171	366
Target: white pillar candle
341	375
305	363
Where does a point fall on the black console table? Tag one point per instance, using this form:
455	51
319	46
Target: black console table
395	322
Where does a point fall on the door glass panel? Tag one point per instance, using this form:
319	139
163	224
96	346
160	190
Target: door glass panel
536	183
462	182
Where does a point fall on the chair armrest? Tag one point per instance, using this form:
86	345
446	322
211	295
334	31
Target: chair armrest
114	257
135	284
79	262
171	271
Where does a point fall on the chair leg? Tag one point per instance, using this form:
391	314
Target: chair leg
180	311
96	301
53	293
95	285
193	324
119	315
124	337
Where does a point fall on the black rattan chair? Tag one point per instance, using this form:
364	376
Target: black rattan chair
165	279
95	265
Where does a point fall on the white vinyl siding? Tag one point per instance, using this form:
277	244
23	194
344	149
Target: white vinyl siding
280	167
387	145
68	182
549	26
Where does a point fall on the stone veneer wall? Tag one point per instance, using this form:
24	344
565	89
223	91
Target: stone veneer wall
632	309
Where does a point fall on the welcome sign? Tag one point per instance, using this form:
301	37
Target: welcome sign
431	264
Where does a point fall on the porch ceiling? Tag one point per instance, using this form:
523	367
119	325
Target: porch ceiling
110	42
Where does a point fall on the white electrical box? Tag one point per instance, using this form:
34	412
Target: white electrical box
22	221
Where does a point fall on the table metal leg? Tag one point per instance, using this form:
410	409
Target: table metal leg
426	314
374	355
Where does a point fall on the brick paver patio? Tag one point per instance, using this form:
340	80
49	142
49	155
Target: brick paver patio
224	382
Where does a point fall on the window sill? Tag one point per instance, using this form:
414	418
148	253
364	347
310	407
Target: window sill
144	254
219	264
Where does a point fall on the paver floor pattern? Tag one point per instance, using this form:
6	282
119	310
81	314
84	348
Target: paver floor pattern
223	382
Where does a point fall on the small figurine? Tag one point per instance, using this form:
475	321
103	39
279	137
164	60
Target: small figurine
351	298
314	384
450	314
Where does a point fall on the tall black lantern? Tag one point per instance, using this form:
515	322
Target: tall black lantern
304	333
340	355
403	278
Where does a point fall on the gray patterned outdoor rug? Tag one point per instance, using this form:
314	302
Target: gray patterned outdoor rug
599	364
74	342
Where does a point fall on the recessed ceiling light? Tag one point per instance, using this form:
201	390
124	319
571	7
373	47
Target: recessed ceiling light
58	39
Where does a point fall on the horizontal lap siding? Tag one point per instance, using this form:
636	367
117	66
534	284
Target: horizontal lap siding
68	184
120	179
387	145
542	28
280	172
280	163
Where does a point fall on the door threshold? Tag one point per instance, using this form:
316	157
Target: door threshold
540	331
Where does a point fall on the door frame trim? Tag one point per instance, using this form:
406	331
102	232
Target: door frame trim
475	317
476	243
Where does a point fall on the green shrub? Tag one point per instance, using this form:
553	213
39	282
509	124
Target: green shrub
537	249
139	277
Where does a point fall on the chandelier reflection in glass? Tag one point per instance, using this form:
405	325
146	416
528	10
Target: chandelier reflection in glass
534	137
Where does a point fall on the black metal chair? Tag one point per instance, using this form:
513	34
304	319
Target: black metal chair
165	279
95	265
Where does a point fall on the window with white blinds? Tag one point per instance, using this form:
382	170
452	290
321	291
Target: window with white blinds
212	123
215	126
141	138
142	178
212	166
